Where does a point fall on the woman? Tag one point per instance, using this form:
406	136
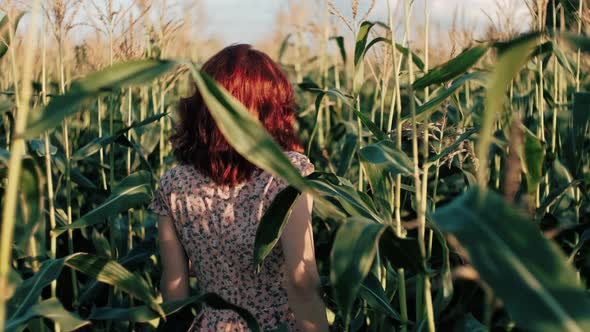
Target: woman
210	205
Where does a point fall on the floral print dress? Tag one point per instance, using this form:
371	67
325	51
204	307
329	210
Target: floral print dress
216	225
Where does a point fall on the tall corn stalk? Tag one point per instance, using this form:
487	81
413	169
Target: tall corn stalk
48	171
17	153
396	107
423	296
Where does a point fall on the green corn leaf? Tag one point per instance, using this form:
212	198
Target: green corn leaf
51	309
381	188
38	145
354	202
513	257
388	157
351	258
77	176
452	68
284	45
372	291
348	153
581	42
509	63
426	109
30	226
401	252
561	58
4	156
100	142
466	135
110	272
133	72
359	68
340	42
382	161
5	31
359	56
361	41
581	124
446	290
272	224
571	10
28	292
132	260
379	134
532	158
415	58
134	190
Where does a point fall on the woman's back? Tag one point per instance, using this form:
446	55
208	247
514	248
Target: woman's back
216	225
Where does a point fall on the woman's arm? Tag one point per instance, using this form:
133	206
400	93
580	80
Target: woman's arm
174	283
302	280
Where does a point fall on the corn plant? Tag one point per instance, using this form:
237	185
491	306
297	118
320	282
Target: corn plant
448	197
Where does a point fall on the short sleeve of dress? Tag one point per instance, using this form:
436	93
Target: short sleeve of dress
160	203
303	164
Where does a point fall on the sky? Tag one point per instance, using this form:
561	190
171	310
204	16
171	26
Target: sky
241	20
250	20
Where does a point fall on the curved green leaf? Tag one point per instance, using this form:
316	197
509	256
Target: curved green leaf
361	41
352	254
513	257
452	68
284	45
379	134
372	291
77	176
532	158
381	161
6	106
38	145
445	152
272	224
347	154
100	142
340	42
401	252
561	57
381	188
581	42
134	259
5	31
446	290
29	224
359	55
51	309
508	65
4	156
431	105
388	157
28	292
110	272
415	58
132	191
355	202
118	75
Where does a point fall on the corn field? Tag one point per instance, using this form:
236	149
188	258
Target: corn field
450	195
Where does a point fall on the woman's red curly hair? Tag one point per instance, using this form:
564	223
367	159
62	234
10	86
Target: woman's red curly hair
258	82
